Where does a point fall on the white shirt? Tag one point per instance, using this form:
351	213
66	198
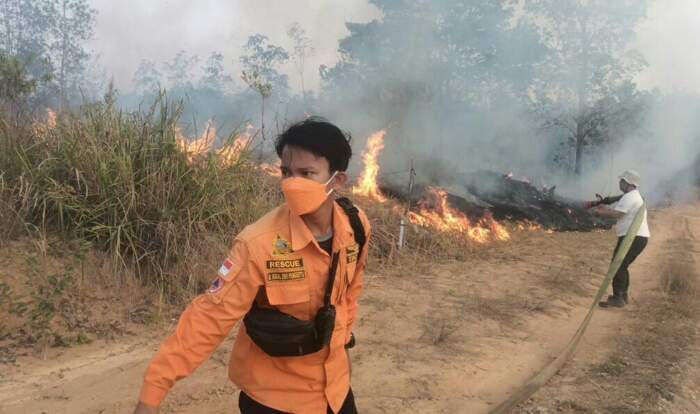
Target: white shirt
630	204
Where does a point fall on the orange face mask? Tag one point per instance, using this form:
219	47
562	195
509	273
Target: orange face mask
305	196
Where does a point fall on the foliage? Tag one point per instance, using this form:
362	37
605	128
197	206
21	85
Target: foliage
303	49
585	85
147	78
260	65
215	77
49	37
72	27
16	87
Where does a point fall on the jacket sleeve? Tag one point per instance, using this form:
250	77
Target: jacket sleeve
203	325
356	285
611	199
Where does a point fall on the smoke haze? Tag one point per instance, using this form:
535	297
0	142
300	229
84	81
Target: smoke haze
493	130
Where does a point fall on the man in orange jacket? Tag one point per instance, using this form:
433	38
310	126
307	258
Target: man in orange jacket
300	265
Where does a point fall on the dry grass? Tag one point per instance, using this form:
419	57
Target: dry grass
422	245
644	371
118	181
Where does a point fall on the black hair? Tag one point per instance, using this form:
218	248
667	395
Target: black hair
319	137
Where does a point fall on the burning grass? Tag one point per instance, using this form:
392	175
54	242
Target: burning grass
131	185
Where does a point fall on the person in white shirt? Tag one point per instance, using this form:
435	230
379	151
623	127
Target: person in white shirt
624	208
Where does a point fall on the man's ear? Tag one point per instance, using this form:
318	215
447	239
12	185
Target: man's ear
340	180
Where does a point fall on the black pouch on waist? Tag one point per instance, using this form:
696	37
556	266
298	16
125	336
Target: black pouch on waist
281	335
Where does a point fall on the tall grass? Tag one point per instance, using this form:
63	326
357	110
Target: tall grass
118	180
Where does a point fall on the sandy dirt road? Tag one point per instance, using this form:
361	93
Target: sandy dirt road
445	338
619	368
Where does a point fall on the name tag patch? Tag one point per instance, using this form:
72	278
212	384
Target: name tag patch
285	270
286	276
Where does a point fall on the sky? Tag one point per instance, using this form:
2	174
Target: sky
130	30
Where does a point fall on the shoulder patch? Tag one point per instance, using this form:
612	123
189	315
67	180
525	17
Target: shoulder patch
216	285
226	267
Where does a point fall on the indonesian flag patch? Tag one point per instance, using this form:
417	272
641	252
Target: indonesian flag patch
225	267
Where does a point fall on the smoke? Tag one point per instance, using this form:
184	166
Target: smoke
451	116
495	129
665	153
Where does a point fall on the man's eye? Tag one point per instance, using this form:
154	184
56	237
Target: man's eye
307	173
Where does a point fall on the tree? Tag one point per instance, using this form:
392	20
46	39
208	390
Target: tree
215	77
585	87
147	78
16	85
74	21
436	61
25	26
48	36
303	49
260	63
179	71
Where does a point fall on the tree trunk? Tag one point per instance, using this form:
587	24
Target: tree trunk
64	42
580	141
262	129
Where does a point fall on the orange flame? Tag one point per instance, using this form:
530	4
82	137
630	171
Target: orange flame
436	212
527	225
272	170
51	118
227	155
197	147
367	183
230	154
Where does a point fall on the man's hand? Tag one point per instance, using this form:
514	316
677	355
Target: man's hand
347	353
591	204
142	408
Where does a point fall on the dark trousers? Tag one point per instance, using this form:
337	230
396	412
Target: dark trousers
248	405
621	282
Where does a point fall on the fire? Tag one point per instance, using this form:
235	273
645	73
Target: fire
227	155
230	154
197	147
51	118
434	211
272	170
367	183
527	225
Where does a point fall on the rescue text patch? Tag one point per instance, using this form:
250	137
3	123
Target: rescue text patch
285	264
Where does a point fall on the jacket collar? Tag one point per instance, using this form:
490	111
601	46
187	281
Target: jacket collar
301	236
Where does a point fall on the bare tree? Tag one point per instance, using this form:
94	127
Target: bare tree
303	49
260	73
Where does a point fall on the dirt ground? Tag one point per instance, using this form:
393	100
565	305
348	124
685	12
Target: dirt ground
438	338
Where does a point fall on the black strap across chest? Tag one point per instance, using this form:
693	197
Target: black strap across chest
360	238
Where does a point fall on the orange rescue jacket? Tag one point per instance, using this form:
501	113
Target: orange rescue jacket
277	262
